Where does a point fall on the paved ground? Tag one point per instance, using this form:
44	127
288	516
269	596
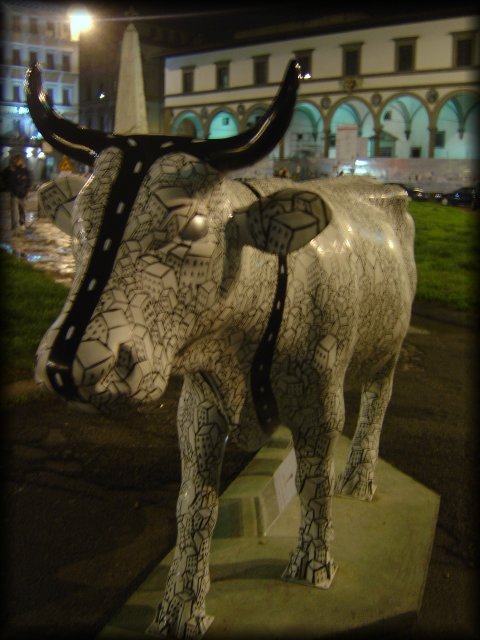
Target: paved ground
89	505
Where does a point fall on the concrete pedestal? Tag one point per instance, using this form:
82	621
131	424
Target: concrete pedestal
382	549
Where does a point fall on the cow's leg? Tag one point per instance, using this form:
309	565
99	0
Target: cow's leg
358	477
311	563
202	434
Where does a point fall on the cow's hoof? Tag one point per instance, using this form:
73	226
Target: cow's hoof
355	486
320	576
194	628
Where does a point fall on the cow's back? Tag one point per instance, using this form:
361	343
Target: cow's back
372	268
350	289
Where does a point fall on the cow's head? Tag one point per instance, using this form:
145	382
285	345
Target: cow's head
149	241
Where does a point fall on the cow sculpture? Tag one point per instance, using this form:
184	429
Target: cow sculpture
261	294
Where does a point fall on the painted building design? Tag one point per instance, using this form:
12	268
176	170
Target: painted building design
408	90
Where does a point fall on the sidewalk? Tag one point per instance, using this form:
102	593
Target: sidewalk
39	243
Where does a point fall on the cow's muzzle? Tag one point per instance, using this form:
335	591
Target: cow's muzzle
78	379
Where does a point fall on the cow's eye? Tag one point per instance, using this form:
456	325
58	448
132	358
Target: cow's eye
196	228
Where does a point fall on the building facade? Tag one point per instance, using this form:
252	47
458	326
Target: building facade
407	91
35	32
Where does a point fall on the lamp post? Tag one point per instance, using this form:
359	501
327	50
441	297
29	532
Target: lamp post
80	20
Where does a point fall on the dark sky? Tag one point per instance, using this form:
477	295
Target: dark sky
240	15
215	24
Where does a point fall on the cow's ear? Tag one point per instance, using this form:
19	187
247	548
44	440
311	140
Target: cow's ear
283	221
56	199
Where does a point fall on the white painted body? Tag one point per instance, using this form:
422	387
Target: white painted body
190	293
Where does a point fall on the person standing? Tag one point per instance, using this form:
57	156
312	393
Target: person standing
17	180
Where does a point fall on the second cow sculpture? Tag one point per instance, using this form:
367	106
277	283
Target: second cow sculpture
262	294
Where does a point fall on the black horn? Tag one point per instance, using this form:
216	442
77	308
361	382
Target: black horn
254	144
81	143
75	141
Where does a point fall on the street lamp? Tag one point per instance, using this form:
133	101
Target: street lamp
80	20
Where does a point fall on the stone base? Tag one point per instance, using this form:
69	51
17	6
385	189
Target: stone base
382	549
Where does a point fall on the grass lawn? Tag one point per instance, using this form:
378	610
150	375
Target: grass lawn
31	301
447	248
447	253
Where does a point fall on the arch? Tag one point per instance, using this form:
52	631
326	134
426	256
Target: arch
404	124
188	124
352	111
304	136
456	122
253	114
223	124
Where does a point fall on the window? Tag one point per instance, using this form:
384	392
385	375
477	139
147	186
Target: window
260	70
65	29
415	152
304	59
464	52
66	97
351	58
187	79
463	49
32	59
223	74
252	122
405	54
50	28
16	93
33	25
16	23
440	139
50	96
50	61
16	56
66	62
351	63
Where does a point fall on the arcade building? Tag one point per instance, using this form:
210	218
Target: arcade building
408	90
373	92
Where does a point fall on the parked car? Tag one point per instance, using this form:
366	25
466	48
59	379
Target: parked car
464	197
417	193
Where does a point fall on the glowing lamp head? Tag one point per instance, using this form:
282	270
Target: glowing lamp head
80	20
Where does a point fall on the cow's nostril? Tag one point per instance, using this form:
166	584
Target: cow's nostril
125	359
60	378
93	361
